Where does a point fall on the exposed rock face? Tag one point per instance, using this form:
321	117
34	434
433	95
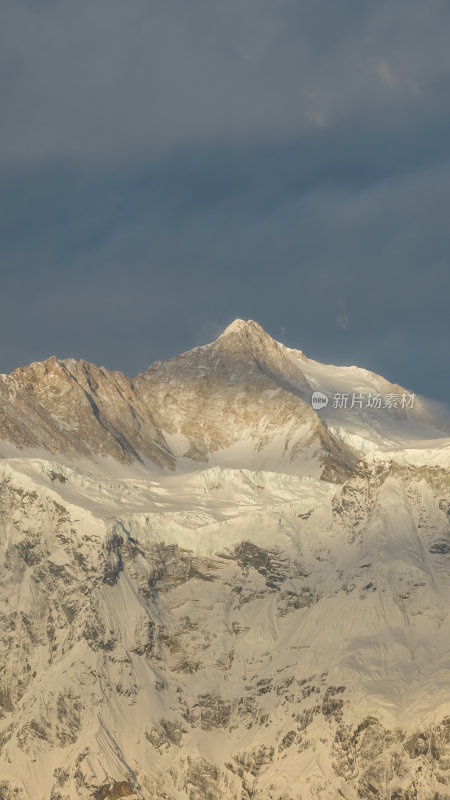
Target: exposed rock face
226	633
77	408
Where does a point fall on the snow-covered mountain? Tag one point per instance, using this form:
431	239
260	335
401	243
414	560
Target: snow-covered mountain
211	590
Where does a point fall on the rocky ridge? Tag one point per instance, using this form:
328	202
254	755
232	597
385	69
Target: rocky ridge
241	388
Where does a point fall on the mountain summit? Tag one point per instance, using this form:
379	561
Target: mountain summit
243	400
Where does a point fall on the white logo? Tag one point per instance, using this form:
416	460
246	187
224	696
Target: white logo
319	400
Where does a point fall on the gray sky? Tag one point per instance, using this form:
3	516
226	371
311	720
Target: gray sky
167	166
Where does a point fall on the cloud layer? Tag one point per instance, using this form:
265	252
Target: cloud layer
110	80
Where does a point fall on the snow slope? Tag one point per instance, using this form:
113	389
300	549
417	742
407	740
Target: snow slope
246	623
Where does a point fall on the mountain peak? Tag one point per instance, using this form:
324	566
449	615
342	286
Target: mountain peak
243	326
248	343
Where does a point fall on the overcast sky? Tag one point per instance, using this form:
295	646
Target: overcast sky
169	165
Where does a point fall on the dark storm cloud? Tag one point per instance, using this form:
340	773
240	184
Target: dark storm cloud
168	166
110	80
